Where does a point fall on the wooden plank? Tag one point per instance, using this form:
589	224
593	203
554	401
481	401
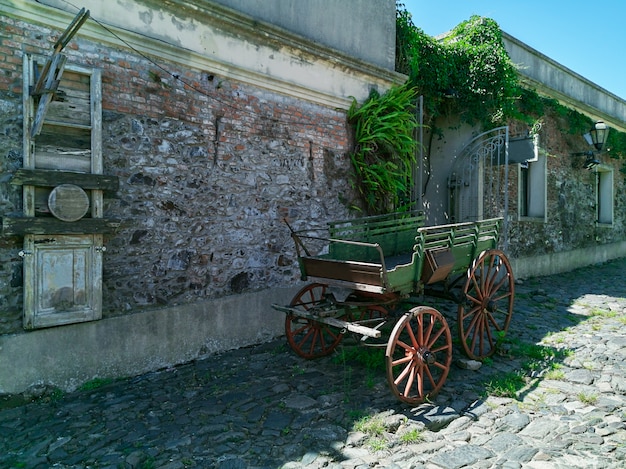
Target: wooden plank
339	324
17	226
65	135
49	86
395	233
47	157
70	112
438	265
74	80
53	178
354	272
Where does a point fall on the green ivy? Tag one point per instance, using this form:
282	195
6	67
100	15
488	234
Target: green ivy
532	107
384	153
468	72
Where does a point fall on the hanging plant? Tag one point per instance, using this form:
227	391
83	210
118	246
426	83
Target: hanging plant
384	151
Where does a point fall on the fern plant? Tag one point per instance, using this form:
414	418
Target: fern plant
384	151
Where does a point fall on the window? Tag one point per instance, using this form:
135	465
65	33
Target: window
604	195
532	192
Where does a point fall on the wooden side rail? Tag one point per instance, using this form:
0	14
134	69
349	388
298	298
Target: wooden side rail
465	241
395	233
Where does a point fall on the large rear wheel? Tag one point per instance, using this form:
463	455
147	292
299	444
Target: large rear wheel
486	311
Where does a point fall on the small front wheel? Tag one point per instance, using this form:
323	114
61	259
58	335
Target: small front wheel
307	337
418	356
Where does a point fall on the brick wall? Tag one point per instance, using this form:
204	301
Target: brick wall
208	169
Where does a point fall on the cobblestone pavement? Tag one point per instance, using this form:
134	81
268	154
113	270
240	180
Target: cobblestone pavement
557	399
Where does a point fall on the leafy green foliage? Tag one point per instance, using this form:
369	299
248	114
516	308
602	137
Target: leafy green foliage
468	72
369	357
384	151
506	385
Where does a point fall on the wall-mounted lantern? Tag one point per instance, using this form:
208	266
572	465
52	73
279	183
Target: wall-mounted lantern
597	136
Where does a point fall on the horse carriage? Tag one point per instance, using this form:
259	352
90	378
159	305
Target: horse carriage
372	280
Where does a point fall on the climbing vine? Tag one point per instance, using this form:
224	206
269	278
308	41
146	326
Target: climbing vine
468	72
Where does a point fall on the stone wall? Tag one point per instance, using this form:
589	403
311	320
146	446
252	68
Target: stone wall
208	169
571	199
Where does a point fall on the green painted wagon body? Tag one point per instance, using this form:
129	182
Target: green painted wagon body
396	253
389	263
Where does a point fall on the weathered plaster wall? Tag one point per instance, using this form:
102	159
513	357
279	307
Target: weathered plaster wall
337	24
207	175
556	81
207	36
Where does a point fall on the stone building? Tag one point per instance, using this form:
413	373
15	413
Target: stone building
184	133
560	214
217	121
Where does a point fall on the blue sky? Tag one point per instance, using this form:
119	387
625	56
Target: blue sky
589	37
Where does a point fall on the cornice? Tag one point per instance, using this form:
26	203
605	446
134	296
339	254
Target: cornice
58	14
608	106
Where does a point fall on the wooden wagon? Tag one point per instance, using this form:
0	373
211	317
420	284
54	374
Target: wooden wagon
382	268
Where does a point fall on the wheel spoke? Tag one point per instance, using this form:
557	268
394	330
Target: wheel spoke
409	330
306	337
477	307
406	347
473	323
440	349
409	381
405	371
430	376
402	360
496	287
477	289
493	321
432	342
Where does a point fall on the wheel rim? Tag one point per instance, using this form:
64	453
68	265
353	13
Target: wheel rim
309	338
485	314
418	356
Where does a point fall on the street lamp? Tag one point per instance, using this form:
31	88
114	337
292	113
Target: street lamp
599	133
597	137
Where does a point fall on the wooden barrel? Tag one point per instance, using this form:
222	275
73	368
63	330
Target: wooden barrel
68	202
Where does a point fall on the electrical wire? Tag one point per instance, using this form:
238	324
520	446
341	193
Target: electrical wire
185	83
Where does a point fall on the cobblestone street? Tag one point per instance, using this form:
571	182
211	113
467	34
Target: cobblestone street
555	398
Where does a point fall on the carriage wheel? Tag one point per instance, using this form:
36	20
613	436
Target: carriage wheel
419	353
307	337
366	313
486	312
